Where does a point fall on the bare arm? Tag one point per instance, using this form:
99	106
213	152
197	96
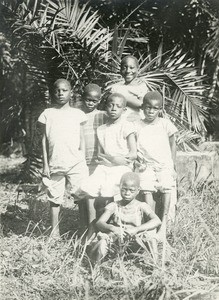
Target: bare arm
131	142
153	223
46	171
121	160
133	102
172	141
102	222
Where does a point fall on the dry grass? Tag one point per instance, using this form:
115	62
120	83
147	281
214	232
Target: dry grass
36	267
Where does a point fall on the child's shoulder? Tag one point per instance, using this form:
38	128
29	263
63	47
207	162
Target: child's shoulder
144	206
167	124
112	206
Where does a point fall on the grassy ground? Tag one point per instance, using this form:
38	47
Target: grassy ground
36	267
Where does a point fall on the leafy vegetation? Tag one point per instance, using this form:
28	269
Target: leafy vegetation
175	42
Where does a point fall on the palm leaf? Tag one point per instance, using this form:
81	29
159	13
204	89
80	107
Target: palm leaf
174	75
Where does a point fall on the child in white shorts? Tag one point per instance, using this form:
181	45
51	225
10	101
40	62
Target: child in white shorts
117	151
156	149
63	148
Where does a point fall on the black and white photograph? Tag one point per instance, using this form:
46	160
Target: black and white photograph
109	149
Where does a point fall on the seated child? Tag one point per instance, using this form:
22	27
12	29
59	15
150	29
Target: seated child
133	88
63	148
125	218
156	149
90	100
116	153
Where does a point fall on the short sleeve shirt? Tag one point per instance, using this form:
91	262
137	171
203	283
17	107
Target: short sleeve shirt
153	142
131	215
63	137
112	137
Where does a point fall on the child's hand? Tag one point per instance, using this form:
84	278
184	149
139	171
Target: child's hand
104	160
121	161
131	231
119	232
140	166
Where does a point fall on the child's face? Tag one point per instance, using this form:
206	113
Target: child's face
91	100
115	108
62	93
129	190
151	109
129	70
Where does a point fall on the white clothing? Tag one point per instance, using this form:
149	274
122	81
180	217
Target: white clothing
154	147
112	137
136	90
104	182
57	182
153	142
63	137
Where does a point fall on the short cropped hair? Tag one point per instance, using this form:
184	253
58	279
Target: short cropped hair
118	95
92	87
59	81
153	96
130	57
132	177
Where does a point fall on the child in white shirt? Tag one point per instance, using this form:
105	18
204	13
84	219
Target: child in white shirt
156	155
63	148
117	151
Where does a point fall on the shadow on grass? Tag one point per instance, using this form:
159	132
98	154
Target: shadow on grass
34	219
24	211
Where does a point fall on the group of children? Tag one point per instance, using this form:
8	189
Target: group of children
109	156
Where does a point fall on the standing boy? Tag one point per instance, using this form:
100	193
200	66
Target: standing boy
63	148
90	100
133	88
157	155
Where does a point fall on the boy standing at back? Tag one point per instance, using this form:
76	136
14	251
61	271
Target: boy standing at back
90	100
156	155
63	148
133	88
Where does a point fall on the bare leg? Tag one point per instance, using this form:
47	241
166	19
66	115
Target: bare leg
98	251
83	219
54	214
91	212
153	248
163	214
148	198
100	204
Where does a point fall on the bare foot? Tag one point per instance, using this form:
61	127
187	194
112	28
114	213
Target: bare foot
55	234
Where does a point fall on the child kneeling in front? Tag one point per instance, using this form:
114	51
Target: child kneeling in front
125	218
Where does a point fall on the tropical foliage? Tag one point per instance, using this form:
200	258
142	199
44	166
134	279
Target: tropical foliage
46	39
